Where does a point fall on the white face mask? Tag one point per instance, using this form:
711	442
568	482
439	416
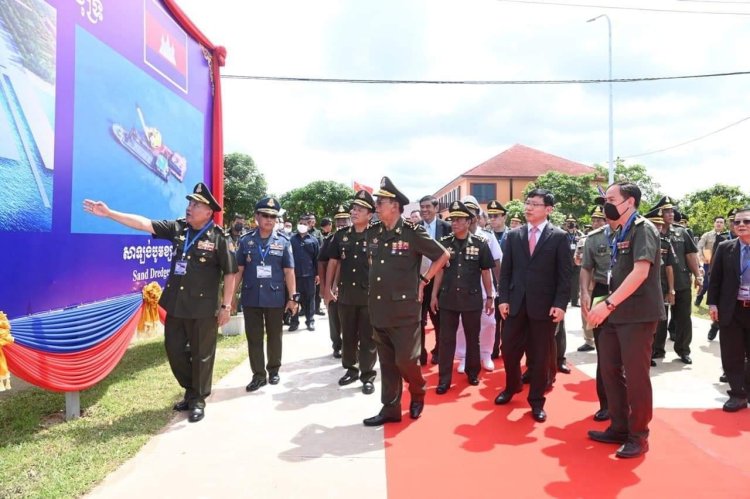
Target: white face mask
302	228
288	230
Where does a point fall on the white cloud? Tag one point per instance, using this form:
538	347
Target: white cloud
424	136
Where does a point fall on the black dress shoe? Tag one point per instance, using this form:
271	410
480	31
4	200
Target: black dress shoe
473	380
723	378
539	415
586	348
337	353
526	377
712	332
563	368
380	420
685	359
415	409
348	378
274	379
319	312
180	406
601	415
311	326
657	356
735	404
632	448
495	355
504	397
196	414
434	358
608	436
653	363
255	384
423	359
293	327
368	388
442	389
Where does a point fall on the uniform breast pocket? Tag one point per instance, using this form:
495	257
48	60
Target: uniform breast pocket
203	257
471	257
276	252
372	250
601	250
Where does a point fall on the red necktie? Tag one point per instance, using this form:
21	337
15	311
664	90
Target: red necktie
532	240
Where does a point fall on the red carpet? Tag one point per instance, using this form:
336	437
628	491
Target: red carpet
464	445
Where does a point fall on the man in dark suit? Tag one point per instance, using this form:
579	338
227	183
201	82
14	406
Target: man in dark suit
534	292
436	228
729	304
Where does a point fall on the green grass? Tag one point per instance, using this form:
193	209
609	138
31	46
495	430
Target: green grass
39	457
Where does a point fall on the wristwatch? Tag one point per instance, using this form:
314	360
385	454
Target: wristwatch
610	306
224	306
424	279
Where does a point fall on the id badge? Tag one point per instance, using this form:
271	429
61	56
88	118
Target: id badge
744	293
180	267
572	246
263	271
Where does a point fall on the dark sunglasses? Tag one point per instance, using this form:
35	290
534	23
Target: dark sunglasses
741	222
267	215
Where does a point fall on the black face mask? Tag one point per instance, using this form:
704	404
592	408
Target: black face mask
571	226
611	211
238	227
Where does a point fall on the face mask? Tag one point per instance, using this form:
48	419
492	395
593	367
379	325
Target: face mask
611	211
302	228
288	230
238	227
571	226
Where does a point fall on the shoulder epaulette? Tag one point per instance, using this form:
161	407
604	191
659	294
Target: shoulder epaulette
639	220
446	237
595	231
374	224
283	234
479	236
411	225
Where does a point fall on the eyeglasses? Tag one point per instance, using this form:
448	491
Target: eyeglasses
533	204
745	221
267	215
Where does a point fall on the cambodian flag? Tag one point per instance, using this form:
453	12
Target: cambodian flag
165	45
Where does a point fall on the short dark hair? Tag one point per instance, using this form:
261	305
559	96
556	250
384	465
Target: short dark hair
629	190
429	199
325	222
239	215
413	211
720	216
547	196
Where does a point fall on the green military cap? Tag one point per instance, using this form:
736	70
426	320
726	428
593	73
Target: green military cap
571	218
459	210
516	218
597	213
655	215
268	205
365	199
202	194
388	190
495	208
666	203
341	212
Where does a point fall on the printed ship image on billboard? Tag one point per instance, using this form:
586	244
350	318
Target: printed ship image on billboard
148	147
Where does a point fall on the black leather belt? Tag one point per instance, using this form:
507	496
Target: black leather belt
743	303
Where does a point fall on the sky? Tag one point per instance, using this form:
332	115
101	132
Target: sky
424	136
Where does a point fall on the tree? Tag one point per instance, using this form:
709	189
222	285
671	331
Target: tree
574	194
650	190
321	198
244	185
704	205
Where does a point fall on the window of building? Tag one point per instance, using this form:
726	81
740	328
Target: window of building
484	192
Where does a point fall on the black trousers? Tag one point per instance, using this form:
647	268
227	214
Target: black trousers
734	340
434	318
192	366
449	321
398	351
306	290
599	290
263	323
359	352
498	329
683	322
625	360
334	324
535	337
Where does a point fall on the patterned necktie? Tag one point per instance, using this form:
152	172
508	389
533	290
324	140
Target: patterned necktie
532	239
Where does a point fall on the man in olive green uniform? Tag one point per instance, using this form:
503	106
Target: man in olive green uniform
595	261
349	294
667	270
686	262
460	295
201	254
571	227
341	220
395	248
628	319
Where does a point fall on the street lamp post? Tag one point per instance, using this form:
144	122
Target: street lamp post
611	125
